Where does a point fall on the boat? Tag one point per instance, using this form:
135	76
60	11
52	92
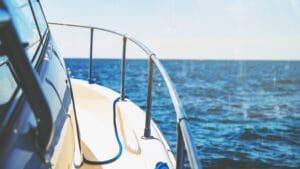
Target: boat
49	120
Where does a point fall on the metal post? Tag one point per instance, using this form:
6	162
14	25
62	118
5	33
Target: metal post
123	68
91	55
180	153
147	130
189	145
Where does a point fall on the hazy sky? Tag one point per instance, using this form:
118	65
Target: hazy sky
202	29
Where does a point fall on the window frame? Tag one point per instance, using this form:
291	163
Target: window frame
14	98
33	11
7	62
36	19
43	36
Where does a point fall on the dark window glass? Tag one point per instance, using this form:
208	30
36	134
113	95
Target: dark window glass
57	75
8	84
25	24
42	24
55	84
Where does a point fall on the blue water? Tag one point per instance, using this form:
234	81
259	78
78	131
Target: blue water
243	114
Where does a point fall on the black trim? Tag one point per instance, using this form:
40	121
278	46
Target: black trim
38	52
56	92
43	13
42	36
8	111
34	17
11	107
59	60
41	56
12	116
75	113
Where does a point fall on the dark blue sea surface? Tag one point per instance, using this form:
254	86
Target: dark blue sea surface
243	114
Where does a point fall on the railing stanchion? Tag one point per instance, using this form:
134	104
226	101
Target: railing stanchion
189	145
91	55
123	68
180	153
147	130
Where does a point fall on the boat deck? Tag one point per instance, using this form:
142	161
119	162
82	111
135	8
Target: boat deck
94	106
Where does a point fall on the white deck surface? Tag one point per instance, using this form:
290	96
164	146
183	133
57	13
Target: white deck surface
94	105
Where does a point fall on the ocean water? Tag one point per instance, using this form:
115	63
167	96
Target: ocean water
243	114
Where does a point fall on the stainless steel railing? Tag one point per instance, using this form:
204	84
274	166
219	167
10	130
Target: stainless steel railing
185	143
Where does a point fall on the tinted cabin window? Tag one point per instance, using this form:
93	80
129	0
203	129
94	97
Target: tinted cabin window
8	85
57	76
55	85
42	24
25	24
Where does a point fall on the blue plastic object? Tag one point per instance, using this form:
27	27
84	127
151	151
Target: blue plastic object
161	165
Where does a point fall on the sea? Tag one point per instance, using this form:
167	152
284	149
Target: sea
242	114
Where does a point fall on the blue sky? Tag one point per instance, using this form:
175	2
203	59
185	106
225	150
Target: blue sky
199	29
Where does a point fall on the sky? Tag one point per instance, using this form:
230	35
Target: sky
190	29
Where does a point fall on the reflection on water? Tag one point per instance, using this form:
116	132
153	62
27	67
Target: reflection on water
243	114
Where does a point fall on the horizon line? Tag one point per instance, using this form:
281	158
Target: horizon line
198	59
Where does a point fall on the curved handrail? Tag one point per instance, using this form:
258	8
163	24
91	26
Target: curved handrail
138	43
182	125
